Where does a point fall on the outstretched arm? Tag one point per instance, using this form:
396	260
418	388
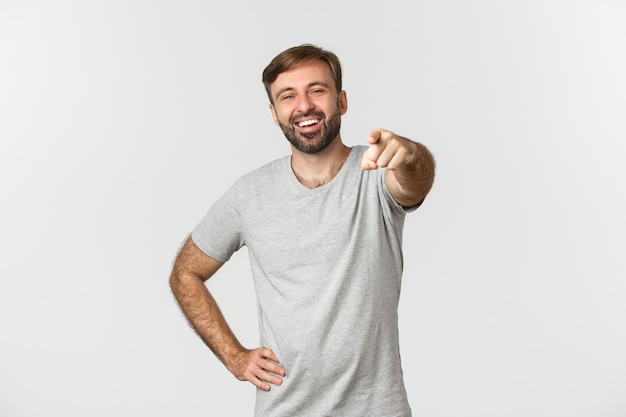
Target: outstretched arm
410	165
191	269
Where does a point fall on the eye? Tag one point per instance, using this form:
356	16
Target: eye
286	97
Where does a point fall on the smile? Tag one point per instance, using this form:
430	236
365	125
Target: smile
308	122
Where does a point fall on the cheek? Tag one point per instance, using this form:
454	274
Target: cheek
279	115
284	115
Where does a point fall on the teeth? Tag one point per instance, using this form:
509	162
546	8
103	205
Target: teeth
308	122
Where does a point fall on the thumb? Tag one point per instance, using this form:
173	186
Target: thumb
374	136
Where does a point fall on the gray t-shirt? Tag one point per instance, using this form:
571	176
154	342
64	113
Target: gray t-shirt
327	267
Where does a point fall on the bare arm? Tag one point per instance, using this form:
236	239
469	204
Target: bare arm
410	165
191	269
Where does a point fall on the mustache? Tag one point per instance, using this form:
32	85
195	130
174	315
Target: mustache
316	114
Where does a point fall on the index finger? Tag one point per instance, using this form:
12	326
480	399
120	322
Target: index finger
272	360
273	367
269	354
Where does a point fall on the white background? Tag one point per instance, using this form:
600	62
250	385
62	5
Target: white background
122	121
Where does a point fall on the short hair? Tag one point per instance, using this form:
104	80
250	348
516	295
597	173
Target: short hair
294	56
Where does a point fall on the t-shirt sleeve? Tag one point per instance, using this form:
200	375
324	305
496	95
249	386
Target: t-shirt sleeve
219	233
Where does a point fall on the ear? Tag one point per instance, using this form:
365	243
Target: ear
274	116
343	102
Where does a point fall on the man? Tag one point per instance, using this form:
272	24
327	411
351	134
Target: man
323	228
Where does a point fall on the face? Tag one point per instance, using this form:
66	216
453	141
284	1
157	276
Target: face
307	106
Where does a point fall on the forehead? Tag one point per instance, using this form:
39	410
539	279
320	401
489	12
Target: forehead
303	75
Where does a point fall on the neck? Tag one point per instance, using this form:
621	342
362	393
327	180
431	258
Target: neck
314	170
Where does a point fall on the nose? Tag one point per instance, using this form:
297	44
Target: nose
304	103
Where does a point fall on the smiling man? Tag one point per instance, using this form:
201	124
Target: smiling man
323	227
302	107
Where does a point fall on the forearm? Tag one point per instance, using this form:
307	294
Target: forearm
192	268
411	181
205	316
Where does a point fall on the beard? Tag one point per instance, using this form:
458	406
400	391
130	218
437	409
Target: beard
316	141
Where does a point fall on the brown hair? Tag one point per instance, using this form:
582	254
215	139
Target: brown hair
295	56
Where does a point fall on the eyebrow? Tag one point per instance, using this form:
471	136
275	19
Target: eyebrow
311	84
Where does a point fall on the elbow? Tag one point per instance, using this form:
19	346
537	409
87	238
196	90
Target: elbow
182	282
179	280
175	283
